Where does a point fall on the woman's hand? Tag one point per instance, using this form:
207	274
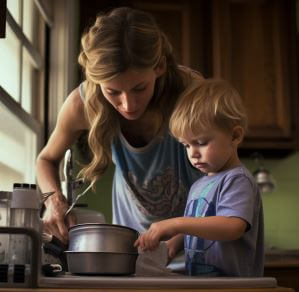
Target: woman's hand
157	232
54	221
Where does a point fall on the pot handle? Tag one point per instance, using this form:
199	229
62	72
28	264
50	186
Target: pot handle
52	245
137	234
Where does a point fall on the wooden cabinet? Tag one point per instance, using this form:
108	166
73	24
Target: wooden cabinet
285	276
183	24
253	46
251	43
284	266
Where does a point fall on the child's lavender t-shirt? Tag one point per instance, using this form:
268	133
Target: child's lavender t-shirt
231	193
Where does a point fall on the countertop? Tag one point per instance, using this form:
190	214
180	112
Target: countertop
277	289
274	258
281	258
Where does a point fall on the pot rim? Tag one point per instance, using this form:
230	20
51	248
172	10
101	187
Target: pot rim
100	252
77	226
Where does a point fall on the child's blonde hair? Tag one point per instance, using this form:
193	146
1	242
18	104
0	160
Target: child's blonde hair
206	104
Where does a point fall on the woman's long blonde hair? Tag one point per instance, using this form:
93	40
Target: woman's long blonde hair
122	39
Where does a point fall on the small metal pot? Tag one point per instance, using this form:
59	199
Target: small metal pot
103	263
101	249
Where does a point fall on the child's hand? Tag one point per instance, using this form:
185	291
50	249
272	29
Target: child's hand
174	245
145	243
158	231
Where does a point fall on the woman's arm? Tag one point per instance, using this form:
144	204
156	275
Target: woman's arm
70	123
212	228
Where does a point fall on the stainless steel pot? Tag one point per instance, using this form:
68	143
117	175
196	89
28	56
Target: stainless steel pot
101	249
104	263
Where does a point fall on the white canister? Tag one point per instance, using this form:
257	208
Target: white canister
24	212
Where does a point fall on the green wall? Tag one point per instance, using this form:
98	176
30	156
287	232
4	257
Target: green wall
281	207
100	199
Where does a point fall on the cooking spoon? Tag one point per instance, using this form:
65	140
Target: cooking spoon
76	200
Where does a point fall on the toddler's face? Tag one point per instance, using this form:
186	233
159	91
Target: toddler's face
212	151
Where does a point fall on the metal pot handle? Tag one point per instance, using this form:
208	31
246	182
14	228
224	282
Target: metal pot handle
52	245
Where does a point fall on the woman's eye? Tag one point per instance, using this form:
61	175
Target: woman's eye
139	89
113	92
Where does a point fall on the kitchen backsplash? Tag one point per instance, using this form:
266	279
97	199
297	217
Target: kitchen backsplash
281	207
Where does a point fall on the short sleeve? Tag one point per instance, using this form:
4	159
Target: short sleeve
237	198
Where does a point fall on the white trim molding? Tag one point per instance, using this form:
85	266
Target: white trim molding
63	54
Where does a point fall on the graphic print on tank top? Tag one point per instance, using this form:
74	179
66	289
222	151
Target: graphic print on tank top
196	248
164	196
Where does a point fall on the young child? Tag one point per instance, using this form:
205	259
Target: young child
222	227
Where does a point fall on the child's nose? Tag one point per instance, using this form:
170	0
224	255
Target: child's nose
194	152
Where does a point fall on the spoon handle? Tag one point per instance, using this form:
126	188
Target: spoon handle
76	200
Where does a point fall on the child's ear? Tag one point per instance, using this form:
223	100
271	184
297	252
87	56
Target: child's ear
237	134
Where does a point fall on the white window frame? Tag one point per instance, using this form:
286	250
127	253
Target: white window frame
63	55
61	16
34	119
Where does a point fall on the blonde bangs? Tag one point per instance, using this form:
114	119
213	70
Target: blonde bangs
206	104
191	115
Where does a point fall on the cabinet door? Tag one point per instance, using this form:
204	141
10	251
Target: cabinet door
183	23
285	276
254	48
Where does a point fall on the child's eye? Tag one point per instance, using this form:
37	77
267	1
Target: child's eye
202	143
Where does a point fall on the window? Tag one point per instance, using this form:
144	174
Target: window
21	92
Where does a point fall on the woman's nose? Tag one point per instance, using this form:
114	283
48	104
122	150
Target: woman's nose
128	103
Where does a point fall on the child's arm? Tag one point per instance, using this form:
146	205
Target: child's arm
212	228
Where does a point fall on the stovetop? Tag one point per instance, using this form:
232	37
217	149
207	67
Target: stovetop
169	281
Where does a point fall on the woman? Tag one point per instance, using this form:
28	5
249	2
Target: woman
132	83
